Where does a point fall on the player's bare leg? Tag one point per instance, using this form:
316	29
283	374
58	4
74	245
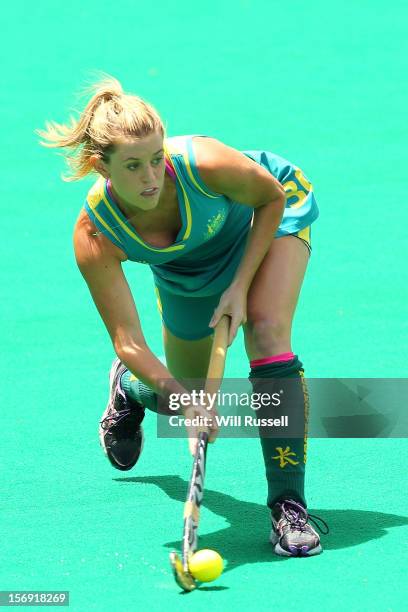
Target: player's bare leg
187	359
272	301
273	296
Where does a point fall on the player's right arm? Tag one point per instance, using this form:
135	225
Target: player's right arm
101	266
102	270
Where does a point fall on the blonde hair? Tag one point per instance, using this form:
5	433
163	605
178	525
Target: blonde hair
110	114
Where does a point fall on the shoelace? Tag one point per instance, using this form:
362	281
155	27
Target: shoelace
116	417
297	517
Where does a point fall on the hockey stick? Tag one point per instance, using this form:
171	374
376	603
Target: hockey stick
196	486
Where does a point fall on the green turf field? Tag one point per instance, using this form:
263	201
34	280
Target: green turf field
323	85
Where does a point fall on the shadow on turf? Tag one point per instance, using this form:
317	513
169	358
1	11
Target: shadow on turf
245	539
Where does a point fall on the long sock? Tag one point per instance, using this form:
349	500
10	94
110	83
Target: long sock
284	457
135	389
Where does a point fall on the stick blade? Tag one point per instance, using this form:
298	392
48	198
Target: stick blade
184	579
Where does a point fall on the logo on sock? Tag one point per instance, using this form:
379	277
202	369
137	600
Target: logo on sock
284	456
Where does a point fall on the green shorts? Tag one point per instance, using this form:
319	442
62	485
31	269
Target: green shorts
188	317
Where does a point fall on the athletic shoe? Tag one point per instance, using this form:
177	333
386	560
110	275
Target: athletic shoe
120	431
292	535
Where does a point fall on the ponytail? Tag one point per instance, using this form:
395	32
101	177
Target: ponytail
109	115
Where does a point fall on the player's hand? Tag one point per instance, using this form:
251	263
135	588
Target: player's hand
205	422
233	303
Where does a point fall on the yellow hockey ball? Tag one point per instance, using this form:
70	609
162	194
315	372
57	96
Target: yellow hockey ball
205	565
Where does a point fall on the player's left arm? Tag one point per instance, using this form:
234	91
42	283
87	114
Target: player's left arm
229	172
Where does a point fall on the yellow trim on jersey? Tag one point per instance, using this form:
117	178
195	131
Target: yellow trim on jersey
191	175
189	170
123	225
93	206
186	200
159	302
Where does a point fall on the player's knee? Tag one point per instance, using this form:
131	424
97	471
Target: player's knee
265	333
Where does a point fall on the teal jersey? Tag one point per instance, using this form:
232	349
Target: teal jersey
210	244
